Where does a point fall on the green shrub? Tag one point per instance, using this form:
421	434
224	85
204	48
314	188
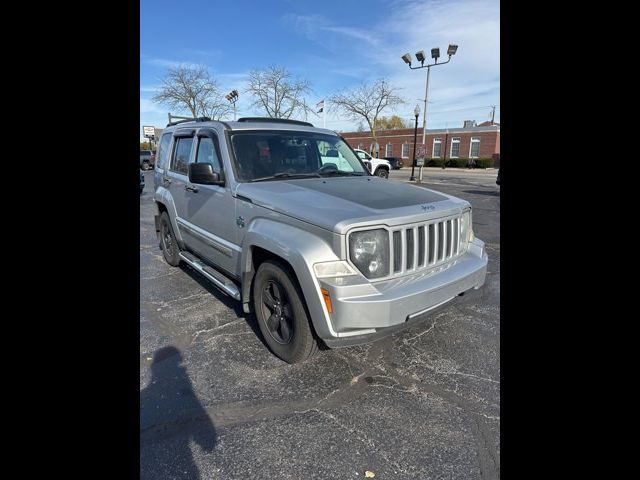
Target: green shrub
486	162
457	162
434	162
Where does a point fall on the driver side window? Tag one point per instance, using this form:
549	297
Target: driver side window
208	153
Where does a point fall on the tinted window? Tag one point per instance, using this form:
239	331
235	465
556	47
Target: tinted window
208	153
163	150
181	157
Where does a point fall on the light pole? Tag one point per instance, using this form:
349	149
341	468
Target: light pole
420	56
416	112
232	96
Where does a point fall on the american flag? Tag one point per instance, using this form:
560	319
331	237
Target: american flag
320	105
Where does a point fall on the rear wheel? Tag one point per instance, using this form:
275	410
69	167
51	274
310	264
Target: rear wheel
382	173
281	313
168	243
145	166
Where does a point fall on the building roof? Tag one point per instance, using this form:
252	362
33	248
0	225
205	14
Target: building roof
409	131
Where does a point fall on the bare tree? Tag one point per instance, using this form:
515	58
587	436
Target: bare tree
192	89
366	102
277	93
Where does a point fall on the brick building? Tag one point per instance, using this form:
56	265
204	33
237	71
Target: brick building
471	141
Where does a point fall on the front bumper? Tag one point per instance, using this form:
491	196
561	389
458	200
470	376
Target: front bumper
364	309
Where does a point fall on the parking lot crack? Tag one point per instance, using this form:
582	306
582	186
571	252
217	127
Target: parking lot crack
217	327
361	437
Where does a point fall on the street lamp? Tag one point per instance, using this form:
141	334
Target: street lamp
416	112
420	56
232	96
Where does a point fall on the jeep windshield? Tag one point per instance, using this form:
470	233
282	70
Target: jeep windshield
280	155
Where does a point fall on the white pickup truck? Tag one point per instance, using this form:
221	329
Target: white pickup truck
377	166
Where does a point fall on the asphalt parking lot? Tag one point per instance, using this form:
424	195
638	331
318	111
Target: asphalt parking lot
421	404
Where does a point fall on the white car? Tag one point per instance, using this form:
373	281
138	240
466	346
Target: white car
376	166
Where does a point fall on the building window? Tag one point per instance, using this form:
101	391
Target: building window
474	151
405	150
389	150
455	147
437	148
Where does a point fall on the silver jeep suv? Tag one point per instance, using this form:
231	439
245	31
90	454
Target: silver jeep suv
285	218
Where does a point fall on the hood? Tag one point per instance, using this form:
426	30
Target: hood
338	203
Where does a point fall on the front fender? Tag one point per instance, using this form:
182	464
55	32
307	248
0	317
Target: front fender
301	250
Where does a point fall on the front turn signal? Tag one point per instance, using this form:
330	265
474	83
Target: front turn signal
327	299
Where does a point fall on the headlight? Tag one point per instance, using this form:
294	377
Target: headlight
466	230
369	252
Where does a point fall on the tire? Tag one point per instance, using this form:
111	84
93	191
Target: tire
382	173
285	325
145	166
168	242
141	189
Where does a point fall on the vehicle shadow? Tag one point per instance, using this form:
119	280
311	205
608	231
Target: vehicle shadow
172	415
229	302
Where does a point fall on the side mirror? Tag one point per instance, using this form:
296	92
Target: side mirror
203	174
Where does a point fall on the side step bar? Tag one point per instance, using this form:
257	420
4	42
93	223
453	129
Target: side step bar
218	279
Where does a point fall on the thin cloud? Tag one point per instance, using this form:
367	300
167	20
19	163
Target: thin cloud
167	63
147	106
357	34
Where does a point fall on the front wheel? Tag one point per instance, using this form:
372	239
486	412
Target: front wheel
382	173
168	243
281	313
146	166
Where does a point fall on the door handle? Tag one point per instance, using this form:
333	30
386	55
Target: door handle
191	188
166	181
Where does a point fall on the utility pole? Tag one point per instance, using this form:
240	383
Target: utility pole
493	113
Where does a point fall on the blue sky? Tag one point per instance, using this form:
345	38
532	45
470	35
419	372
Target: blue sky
333	44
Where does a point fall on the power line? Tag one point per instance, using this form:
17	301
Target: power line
410	114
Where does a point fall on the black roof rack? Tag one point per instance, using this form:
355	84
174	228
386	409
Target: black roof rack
275	120
198	119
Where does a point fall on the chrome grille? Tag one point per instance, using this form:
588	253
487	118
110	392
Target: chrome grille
424	245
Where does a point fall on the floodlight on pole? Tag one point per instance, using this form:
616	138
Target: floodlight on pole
435	53
232	96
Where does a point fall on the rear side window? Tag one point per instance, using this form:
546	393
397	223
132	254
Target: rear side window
180	162
208	153
163	151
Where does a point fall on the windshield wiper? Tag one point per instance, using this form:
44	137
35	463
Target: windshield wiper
341	172
286	175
